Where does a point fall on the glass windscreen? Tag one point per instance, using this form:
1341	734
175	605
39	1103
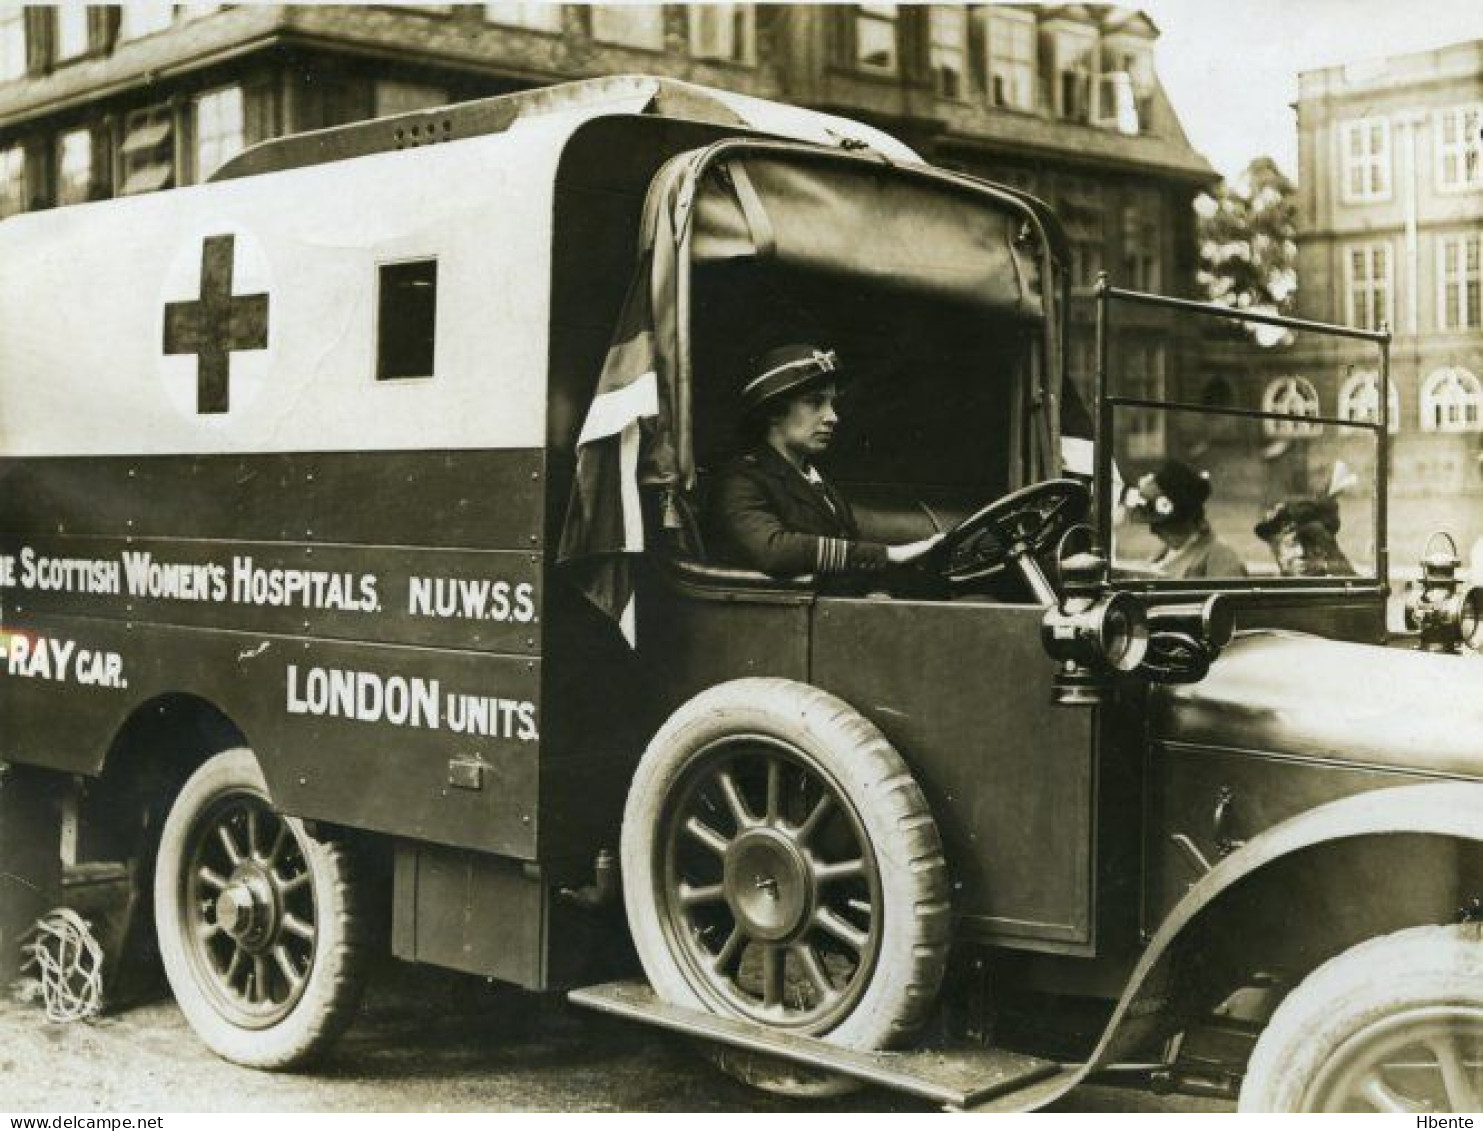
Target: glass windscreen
1252	470
1212	496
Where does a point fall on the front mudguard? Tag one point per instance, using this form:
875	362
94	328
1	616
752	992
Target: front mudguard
1451	810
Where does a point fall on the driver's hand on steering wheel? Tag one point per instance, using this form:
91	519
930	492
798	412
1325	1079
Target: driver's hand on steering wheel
908	552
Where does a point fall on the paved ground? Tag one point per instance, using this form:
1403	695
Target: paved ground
427	1041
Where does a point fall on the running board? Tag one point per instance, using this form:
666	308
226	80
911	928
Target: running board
955	1078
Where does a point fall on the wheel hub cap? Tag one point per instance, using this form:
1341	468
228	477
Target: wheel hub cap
245	908
768	885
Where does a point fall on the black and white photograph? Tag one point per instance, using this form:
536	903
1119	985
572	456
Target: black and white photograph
771	558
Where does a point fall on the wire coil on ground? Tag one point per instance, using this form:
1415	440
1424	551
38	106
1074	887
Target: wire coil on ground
68	962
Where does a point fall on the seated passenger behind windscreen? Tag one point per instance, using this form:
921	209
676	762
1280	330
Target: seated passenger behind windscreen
1171	501
1302	534
774	511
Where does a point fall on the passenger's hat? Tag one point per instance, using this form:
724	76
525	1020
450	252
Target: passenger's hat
787	369
1175	490
1297	513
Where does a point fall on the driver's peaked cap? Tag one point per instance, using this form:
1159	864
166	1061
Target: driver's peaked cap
785	370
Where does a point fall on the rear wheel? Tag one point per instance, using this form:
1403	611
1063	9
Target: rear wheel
1394	1024
260	925
781	866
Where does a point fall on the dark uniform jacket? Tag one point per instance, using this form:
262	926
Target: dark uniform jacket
769	517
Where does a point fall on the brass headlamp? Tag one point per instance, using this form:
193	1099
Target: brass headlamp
1094	635
1447	615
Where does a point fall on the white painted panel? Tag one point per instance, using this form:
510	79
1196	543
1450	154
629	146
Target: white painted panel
83	293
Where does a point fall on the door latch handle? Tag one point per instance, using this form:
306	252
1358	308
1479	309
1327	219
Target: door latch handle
1222	820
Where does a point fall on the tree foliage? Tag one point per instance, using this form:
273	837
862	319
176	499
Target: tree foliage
1247	232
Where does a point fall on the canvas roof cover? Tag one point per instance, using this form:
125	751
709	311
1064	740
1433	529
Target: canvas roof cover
876	224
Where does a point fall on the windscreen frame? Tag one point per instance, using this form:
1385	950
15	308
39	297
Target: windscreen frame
1107	402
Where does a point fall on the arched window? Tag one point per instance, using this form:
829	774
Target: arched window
1359	399
1293	397
1452	401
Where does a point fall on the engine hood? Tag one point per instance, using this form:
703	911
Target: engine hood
1288	693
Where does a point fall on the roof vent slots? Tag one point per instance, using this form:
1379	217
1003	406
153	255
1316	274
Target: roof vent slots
429	131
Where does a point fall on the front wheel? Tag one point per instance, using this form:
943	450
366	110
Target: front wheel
1394	1025
781	866
260	925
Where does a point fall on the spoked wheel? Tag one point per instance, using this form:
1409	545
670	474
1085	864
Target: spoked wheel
1420	1060
259	924
250	903
1392	1025
781	866
770	889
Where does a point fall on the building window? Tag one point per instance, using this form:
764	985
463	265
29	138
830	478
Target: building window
536	16
71	31
1293	398
75	167
138	19
1366	149
406	319
1359	400
392	97
724	31
1082	215
1141	376
1011	62
1460	148
12	42
12	180
1367	269
1073	90
147	156
948	49
1460	278
875	37
219	129
1117	103
1136	63
1451	401
1086	261
629	25
1142	244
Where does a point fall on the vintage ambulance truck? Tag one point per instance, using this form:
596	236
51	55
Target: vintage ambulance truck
292	660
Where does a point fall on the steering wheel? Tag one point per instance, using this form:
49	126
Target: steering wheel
1022	524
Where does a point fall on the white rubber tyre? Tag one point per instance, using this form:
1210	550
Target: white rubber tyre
236	986
1387	1024
820	739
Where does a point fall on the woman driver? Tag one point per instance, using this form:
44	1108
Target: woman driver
775	511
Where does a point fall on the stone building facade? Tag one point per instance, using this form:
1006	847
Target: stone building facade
97	101
1390	156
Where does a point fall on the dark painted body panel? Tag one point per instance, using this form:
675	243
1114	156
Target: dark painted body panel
1221	799
487	600
692	640
372	775
963	690
488	500
385	613
1333	701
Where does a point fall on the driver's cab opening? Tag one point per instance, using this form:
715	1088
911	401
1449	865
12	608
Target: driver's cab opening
941	351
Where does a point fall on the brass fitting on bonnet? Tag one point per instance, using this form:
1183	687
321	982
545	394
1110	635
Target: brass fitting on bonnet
1447	615
1094	634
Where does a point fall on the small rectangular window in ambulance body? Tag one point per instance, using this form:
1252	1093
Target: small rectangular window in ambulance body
406	317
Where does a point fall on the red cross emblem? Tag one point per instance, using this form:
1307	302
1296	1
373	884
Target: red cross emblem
216	324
